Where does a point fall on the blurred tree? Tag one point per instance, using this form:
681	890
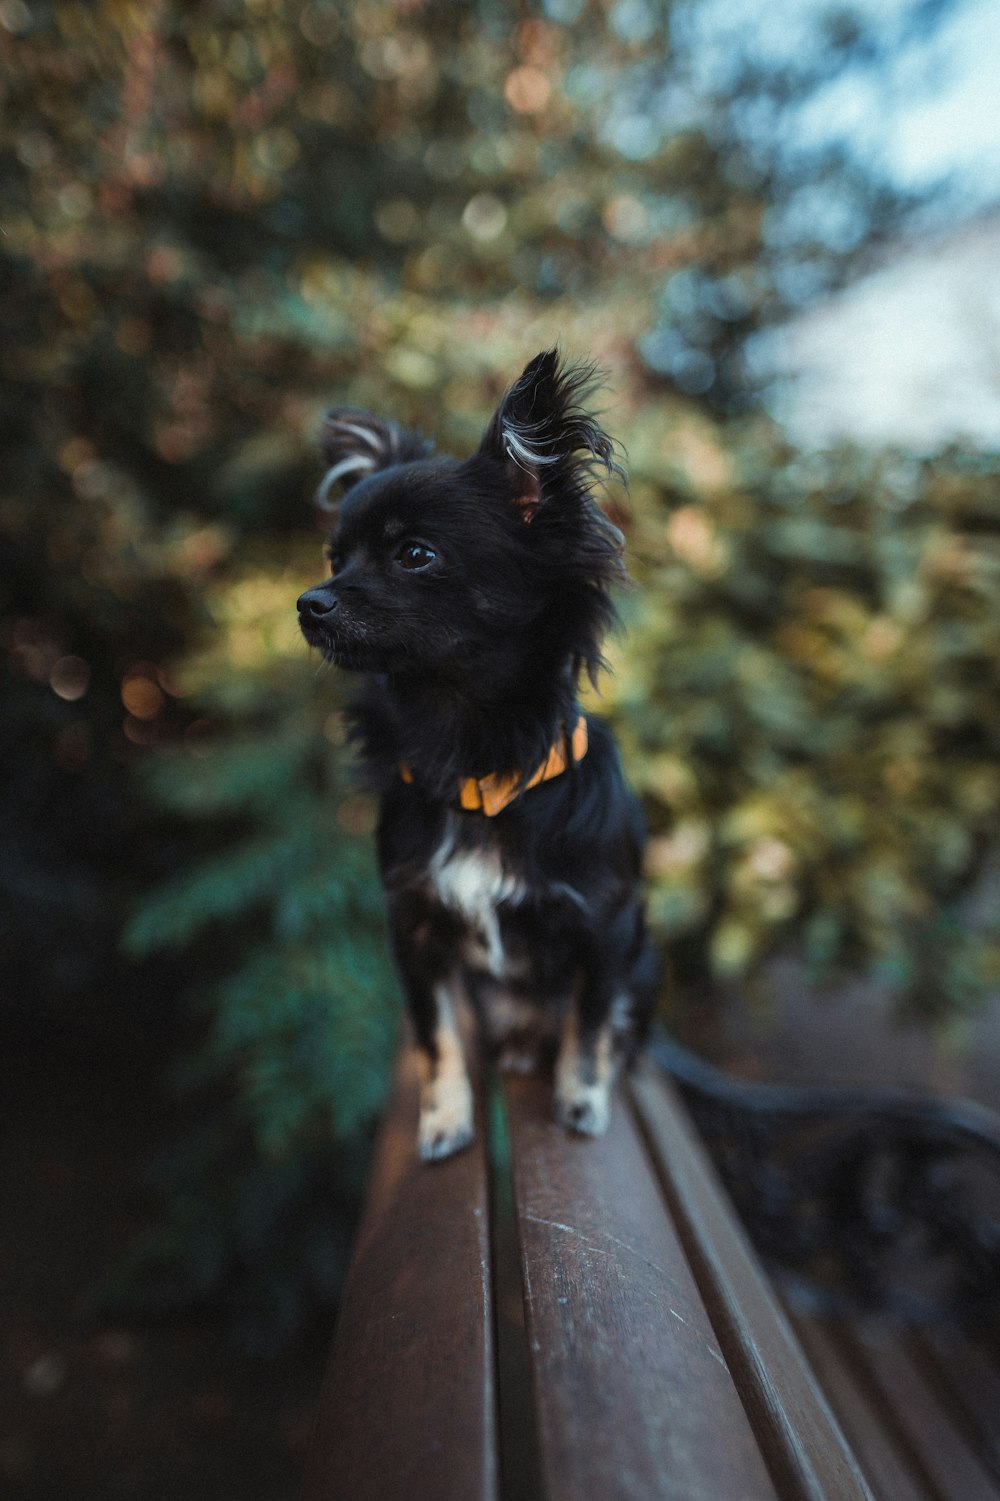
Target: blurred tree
809	700
283	925
220	217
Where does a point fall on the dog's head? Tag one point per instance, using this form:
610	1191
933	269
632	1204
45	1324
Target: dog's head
459	568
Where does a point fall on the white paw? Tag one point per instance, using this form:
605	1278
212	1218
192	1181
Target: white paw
445	1124
585	1108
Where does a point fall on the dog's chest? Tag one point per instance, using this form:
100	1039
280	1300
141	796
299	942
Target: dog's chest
473	883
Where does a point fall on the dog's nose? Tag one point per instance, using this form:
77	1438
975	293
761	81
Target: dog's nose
316	603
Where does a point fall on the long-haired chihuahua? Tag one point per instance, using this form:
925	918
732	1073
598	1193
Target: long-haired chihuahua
470	595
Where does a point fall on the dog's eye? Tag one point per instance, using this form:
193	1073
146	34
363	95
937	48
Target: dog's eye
415	556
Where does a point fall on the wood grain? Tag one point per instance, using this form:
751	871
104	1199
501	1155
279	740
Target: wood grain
632	1395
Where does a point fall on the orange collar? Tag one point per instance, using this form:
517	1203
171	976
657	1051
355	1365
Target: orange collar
493	793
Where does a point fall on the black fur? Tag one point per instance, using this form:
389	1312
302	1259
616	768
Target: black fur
471	595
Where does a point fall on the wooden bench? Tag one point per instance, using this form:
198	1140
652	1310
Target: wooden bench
546	1318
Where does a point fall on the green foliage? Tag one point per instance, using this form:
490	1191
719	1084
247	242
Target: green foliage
285	924
261	1240
809	702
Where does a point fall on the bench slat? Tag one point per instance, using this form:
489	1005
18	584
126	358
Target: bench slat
632	1396
795	1427
608	1290
888	1464
408	1410
954	1471
966	1374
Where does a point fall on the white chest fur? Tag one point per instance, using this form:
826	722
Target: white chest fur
473	883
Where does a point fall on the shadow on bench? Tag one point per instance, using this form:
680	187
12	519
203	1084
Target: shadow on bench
550	1317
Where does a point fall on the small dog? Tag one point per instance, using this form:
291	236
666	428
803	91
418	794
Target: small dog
471	595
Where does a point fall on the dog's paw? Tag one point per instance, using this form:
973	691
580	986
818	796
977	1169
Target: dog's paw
437	1139
585	1108
445	1127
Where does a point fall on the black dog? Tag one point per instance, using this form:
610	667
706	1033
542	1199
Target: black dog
472	595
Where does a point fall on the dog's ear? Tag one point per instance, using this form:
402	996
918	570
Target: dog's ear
356	443
548	443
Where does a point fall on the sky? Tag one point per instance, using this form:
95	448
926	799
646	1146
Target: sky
940	113
911	353
933	109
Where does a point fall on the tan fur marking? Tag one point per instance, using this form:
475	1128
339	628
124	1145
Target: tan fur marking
446	1118
584	1079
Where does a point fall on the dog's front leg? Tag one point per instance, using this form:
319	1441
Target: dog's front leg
446	1123
587	1062
585	1074
446	1108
